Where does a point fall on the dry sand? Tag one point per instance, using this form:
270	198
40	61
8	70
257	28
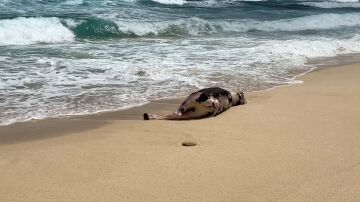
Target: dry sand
298	143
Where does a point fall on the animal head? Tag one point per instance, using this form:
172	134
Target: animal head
238	98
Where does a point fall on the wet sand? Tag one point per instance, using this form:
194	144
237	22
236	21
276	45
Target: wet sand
293	143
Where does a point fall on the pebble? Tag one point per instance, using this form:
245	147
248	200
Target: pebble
188	144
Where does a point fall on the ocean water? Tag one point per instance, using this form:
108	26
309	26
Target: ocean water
64	57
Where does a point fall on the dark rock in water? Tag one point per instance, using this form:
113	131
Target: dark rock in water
188	144
141	73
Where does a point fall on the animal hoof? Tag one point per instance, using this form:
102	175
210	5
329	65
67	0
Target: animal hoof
188	144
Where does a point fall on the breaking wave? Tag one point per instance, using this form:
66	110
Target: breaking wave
333	4
23	31
96	28
170	2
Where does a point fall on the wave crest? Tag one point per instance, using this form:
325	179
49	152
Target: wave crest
200	27
170	2
24	31
350	4
314	22
95	28
197	26
190	26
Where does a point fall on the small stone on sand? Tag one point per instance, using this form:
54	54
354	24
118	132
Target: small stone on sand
187	144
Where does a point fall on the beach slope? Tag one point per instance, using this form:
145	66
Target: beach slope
293	143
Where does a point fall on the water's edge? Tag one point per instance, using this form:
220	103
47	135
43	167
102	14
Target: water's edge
170	103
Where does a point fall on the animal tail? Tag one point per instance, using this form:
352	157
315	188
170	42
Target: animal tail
174	116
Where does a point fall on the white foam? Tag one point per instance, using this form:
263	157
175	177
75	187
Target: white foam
314	22
217	3
350	4
190	26
24	31
72	23
169	2
72	2
172	67
197	26
345	1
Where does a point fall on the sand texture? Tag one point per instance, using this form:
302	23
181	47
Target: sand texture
294	143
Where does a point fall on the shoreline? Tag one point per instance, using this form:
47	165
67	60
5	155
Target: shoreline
134	112
297	143
10	133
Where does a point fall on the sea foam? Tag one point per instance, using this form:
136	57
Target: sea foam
24	31
197	26
350	4
176	2
57	86
313	22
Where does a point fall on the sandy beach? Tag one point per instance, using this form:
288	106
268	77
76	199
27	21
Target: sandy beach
292	143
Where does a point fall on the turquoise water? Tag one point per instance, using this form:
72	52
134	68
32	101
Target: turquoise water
63	57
